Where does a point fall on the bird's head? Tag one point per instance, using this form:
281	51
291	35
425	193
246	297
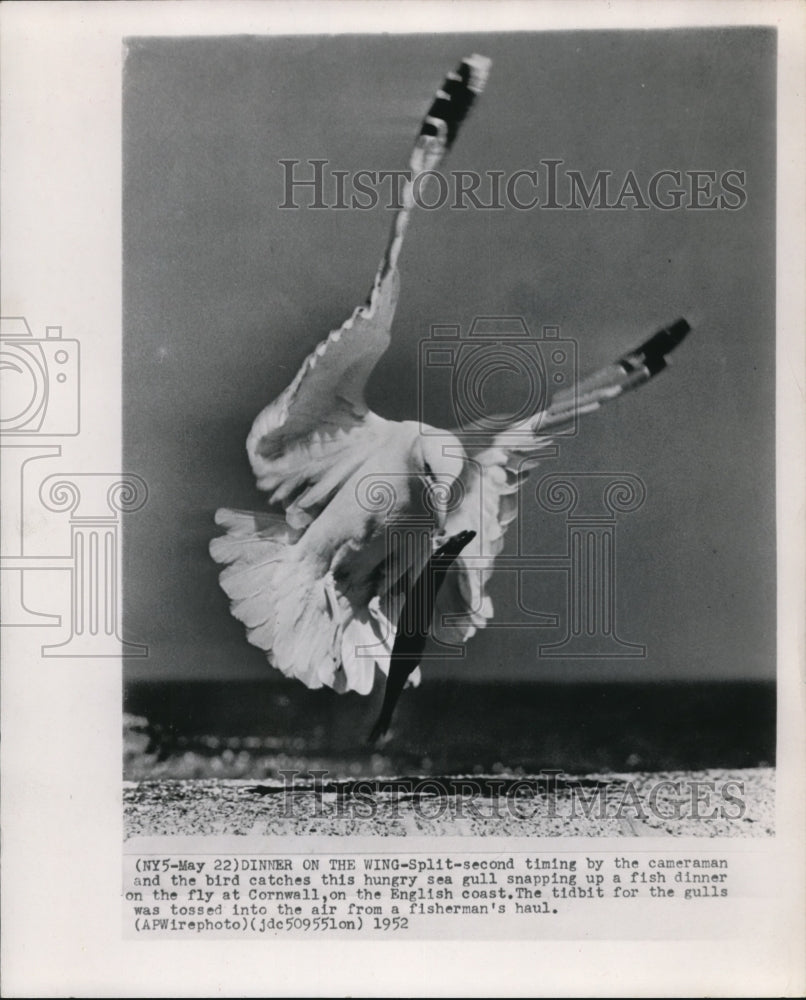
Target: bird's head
439	460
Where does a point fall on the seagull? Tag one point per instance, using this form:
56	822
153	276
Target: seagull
362	505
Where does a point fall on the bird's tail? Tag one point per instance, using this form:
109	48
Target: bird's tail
291	608
278	596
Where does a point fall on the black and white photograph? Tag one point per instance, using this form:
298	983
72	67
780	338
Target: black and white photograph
401	414
382	300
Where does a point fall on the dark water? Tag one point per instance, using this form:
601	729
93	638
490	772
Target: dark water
248	729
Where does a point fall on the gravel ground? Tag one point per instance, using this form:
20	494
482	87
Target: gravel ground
709	803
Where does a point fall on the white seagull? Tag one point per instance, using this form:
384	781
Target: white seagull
320	583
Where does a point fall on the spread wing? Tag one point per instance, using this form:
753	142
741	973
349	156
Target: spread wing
306	444
496	469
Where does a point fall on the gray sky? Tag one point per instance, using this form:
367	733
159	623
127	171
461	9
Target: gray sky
224	294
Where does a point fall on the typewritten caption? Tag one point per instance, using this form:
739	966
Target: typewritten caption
257	895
